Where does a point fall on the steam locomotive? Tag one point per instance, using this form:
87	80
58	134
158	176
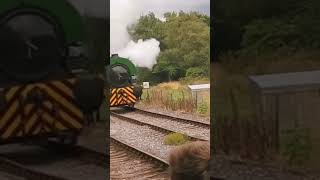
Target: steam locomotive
43	77
124	89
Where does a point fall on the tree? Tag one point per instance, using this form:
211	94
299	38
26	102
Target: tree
148	26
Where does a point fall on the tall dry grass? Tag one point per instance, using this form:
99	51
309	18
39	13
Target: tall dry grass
232	114
175	96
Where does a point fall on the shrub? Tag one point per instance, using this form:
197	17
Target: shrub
296	146
175	139
195	72
202	108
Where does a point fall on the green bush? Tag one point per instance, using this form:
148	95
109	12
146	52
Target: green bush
195	72
202	108
175	139
285	34
296	146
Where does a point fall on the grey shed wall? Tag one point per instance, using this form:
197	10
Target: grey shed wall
286	101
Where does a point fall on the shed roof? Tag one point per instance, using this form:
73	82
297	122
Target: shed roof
199	87
287	81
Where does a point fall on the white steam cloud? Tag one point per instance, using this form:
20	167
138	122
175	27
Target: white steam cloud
124	13
142	53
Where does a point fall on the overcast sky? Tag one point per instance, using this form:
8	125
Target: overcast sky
99	7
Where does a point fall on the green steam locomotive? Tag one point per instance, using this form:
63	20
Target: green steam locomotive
121	75
44	75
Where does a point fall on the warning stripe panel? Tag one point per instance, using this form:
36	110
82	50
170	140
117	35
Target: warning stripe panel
8	131
61	99
122	96
11	99
130	89
11	92
21	117
63	88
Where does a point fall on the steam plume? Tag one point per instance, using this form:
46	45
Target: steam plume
124	13
142	53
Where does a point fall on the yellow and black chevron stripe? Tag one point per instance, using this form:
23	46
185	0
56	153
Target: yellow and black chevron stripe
57	112
122	96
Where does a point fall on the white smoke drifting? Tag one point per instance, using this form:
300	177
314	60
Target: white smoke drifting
124	13
142	53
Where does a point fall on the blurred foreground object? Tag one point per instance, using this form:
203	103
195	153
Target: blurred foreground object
190	161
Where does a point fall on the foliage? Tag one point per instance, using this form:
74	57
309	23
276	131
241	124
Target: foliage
146	75
174	96
195	72
173	99
184	42
148	26
263	26
175	139
286	33
202	108
296	146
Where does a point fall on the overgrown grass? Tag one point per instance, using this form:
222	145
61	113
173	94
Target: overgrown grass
175	139
203	108
176	96
296	146
233	115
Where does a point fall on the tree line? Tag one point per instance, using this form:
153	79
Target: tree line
255	27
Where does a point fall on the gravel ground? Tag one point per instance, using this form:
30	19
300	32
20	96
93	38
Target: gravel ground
199	132
180	114
221	167
141	137
5	176
125	166
93	137
60	163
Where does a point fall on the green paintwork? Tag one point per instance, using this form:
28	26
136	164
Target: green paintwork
124	62
62	10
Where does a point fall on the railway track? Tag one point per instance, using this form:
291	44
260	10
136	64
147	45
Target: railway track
188	121
57	163
128	162
166	124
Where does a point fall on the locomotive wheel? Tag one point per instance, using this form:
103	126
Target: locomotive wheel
130	107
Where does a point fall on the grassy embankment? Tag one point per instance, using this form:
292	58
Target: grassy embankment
176	96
